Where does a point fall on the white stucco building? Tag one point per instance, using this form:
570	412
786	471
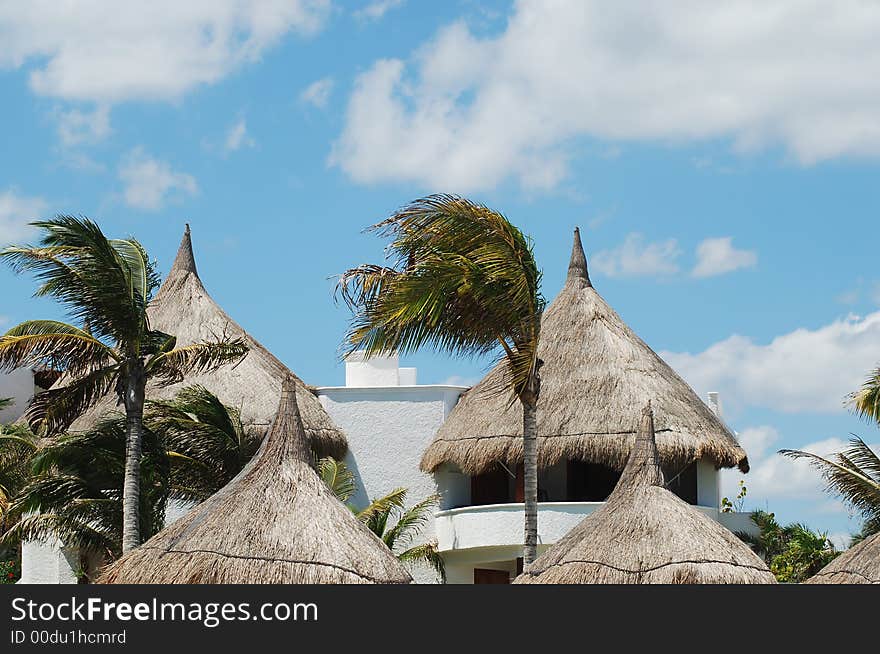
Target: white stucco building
390	420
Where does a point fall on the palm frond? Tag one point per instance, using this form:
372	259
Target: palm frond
463	280
866	401
173	366
382	507
338	478
55	409
853	474
58	345
411	522
425	554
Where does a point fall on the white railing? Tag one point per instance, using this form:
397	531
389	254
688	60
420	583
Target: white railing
495	525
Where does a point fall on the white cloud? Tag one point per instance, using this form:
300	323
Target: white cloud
16	211
76	127
97	51
149	182
806	370
716	256
237	137
467	111
3	320
317	93
634	257
377	9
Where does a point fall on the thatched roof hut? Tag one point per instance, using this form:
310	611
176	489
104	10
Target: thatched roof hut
644	534
858	565
595	368
275	523
184	308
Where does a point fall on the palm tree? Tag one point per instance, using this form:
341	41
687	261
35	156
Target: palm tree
74	491
387	517
17	448
193	446
106	285
463	280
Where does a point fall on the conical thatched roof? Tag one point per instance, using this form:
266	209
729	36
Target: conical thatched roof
858	565
275	523
595	368
644	534
183	308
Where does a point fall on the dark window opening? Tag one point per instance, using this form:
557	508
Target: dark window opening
492	487
683	482
589	482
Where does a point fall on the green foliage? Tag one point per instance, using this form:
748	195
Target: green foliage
388	518
462	279
193	446
10	571
794	553
735	505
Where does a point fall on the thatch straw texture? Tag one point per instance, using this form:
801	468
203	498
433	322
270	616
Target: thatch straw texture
644	534
858	565
595	368
184	308
275	523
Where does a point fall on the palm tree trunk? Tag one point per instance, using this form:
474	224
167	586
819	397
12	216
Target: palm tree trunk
530	473
529	401
135	393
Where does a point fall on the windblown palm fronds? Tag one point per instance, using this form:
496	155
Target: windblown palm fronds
854	475
462	279
105	284
388	517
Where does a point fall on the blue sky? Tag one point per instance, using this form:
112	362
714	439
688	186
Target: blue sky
722	164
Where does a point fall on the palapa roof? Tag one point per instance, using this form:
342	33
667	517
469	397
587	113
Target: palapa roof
595	368
858	565
183	308
645	534
277	522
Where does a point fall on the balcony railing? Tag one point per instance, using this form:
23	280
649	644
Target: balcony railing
499	525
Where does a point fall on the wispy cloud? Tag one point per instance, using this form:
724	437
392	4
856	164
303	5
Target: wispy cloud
238	137
717	256
377	9
317	93
149	182
16	211
634	257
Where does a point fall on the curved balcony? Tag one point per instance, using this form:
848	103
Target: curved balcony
501	525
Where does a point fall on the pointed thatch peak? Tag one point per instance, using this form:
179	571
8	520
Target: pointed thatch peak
595	369
860	564
645	534
643	467
184	308
185	261
577	266
277	522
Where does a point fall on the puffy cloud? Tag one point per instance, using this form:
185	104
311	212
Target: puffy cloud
317	93
148	181
716	256
467	111
634	258
237	137
16	211
95	51
806	370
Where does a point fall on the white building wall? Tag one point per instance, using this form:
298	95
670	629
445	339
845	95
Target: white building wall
48	562
18	385
388	427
